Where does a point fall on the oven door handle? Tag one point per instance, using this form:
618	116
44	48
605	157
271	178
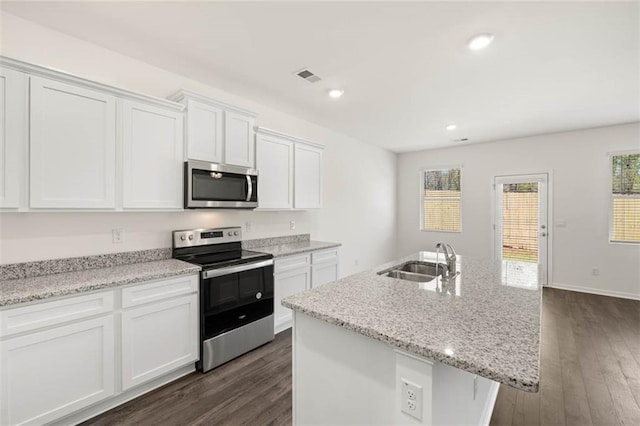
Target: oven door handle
234	269
249	188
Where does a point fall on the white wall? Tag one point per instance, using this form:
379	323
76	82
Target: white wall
359	200
580	186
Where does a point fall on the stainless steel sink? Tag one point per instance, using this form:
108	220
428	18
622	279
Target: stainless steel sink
415	271
425	268
409	276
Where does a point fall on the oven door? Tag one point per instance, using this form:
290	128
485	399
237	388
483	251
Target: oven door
236	295
209	185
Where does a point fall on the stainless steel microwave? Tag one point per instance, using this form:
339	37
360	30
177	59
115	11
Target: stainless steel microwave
210	186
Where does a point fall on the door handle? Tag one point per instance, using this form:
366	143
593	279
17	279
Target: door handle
249	188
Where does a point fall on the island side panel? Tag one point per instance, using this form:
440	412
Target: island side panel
343	377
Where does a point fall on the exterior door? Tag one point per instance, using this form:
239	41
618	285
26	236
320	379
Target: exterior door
521	216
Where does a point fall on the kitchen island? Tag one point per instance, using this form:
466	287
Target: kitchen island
371	349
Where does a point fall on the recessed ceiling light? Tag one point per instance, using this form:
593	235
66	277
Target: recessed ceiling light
480	41
336	93
451	126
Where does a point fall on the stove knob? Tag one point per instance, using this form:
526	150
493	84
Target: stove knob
230	233
183	237
190	237
258	295
235	233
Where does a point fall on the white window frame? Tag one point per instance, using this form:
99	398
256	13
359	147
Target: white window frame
610	156
422	197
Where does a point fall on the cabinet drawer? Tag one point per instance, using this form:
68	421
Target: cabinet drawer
324	256
46	314
291	262
159	290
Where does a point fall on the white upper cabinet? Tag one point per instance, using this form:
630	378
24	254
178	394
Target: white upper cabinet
308	177
238	139
290	171
73	146
204	132
217	132
274	161
13	114
152	142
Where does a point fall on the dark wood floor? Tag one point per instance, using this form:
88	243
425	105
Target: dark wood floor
589	366
590	374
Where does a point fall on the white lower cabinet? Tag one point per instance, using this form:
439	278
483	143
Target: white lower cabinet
68	356
158	338
297	273
52	373
288	283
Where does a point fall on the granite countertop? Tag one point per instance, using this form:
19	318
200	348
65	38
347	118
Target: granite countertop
486	321
289	249
29	289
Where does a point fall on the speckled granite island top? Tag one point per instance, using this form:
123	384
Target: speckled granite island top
29	289
486	321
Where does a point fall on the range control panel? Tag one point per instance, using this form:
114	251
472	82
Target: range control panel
203	237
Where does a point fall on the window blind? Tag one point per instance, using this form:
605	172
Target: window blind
441	194
520	221
625	198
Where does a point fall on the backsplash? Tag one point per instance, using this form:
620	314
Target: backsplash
73	264
274	241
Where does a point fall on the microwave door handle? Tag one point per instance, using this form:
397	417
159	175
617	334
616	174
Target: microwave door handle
249	188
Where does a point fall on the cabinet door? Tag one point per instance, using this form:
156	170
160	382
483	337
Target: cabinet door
73	146
50	374
158	338
308	177
286	284
274	161
152	161
204	132
324	273
238	139
13	115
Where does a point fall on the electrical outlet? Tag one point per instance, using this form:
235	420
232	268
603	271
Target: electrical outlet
355	262
248	227
292	225
117	235
595	272
411	398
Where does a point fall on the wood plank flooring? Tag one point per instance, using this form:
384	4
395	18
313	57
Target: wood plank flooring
590	375
589	366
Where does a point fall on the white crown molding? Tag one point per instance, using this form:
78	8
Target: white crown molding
182	94
270	132
51	73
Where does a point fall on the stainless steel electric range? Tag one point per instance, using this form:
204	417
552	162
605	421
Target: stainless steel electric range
236	293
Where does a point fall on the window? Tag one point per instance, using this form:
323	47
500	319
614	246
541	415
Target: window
625	198
441	200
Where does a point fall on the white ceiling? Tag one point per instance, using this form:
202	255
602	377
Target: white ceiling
404	67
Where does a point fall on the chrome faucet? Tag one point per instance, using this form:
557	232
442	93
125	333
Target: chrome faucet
450	257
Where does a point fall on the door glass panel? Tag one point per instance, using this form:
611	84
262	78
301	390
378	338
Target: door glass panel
520	221
229	187
251	282
223	292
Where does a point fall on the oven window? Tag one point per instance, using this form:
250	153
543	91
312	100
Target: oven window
230	187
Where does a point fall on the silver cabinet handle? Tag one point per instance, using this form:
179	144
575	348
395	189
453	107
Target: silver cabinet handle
215	175
249	188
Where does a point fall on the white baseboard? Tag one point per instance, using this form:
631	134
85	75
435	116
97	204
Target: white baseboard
597	291
490	404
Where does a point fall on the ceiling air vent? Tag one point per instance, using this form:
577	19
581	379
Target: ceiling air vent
308	75
461	140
